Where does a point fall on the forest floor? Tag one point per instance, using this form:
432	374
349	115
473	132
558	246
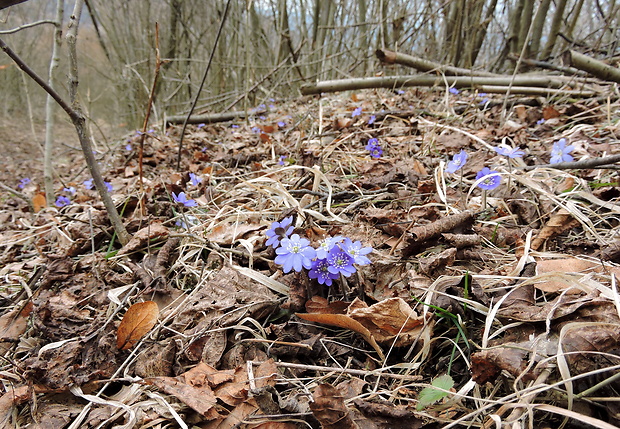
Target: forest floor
479	308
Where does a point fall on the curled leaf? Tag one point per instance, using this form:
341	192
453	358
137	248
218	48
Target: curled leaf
137	322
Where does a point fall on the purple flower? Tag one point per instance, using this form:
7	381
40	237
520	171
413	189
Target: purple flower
356	251
234	126
128	147
482	94
372	119
201	125
374	148
320	272
356	112
108	186
400	92
458	161
560	152
484	101
540	121
182	198
88	184
340	262
256	130
453	91
281	124
491	179
70	190
191	220
23	182
62	201
194	180
279	231
295	253
510	152
282	160
326	245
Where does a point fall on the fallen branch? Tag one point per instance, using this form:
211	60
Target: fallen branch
211	118
391	57
602	162
594	67
455	81
546	65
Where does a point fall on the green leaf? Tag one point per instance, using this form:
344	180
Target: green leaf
430	395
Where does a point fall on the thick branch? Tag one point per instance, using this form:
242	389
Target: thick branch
594	67
213	117
405	81
601	162
391	57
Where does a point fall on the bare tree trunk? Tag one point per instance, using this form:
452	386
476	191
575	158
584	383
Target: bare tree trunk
481	32
539	24
526	22
555	29
50	104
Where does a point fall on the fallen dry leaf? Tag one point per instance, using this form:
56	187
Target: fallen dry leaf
561	222
329	408
346	322
38	201
144	237
137	322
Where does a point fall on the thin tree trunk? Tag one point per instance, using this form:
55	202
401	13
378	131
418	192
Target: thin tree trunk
555	29
481	32
539	24
50	104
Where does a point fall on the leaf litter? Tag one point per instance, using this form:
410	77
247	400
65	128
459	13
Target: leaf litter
479	306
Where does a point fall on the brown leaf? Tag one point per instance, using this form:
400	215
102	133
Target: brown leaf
391	319
329	408
559	223
14	323
346	322
38	201
144	237
550	112
137	322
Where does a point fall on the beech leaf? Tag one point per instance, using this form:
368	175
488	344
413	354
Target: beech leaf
137	322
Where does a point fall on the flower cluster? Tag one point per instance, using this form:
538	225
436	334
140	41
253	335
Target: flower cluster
23	182
374	148
334	255
491	177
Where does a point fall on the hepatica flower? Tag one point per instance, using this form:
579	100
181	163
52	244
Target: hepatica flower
356	112
108	186
453	91
491	179
340	262
356	251
320	272
23	182
458	161
326	245
182	198
71	190
62	201
279	231
510	152
295	253
560	152
194	180
88	184
372	119
374	148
